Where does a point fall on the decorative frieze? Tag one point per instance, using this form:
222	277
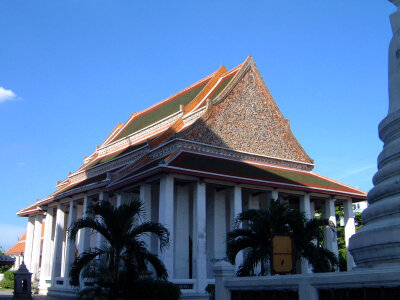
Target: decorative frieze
193	116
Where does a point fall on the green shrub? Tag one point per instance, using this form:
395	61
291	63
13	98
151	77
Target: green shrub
149	289
4	269
7	284
8	281
9	275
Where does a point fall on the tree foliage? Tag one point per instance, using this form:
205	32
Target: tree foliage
341	238
8	280
253	234
123	257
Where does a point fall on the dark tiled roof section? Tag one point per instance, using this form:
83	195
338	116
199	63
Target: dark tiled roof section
141	169
94	179
241	169
160	112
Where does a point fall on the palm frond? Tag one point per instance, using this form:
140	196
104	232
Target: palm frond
88	222
80	262
252	259
234	246
151	228
157	264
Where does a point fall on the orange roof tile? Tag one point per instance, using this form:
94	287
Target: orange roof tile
19	247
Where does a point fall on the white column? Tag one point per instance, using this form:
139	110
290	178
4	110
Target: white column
219	224
305	207
181	232
145	198
70	246
122	198
103	196
330	236
273	195
58	243
349	230
29	242
46	253
312	210
37	243
200	236
166	218
84	236
236	209
236	204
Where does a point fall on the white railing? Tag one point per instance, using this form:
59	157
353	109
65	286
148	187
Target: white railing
307	285
186	285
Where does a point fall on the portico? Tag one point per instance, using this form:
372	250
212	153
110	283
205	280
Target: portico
197	212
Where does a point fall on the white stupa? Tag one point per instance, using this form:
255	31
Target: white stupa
377	244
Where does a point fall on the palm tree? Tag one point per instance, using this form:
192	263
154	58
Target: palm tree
258	228
124	255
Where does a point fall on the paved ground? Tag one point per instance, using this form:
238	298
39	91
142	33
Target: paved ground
8	295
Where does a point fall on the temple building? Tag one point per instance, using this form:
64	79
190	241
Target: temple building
17	251
196	160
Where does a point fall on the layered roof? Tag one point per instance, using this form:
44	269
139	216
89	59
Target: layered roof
258	173
228	114
149	125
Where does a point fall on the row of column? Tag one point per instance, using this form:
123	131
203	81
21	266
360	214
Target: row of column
330	236
196	217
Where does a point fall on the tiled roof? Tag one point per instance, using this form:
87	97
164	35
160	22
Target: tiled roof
208	166
252	170
19	247
157	112
233	99
161	111
6	260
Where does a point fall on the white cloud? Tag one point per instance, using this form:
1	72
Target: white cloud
359	170
9	235
6	95
21	164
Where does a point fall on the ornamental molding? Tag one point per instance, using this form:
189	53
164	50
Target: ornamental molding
108	166
193	116
132	138
182	144
131	157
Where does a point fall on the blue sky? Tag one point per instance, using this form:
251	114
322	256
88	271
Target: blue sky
71	70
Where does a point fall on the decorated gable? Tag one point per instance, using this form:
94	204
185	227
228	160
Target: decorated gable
246	118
